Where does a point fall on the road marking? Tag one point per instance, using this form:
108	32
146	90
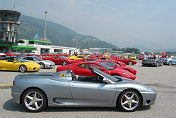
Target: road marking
6	84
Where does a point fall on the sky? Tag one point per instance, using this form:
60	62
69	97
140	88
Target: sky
147	24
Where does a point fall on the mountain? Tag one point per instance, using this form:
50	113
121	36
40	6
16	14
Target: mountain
58	34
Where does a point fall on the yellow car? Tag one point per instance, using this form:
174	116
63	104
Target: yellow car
133	57
77	57
18	64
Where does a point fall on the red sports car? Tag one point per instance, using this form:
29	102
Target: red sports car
116	66
117	62
124	60
58	60
83	60
83	68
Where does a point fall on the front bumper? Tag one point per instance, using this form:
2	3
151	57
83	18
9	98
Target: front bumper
49	65
35	68
149	63
148	98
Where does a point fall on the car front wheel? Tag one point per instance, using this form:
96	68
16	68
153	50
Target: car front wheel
129	100
34	100
130	63
170	63
64	63
42	65
22	68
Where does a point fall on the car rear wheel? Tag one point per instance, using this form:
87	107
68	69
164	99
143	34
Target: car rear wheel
34	100
129	100
22	68
64	63
130	63
170	63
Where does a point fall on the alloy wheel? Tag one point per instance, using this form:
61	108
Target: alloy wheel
23	68
33	100
130	101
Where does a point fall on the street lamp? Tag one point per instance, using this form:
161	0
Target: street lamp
45	25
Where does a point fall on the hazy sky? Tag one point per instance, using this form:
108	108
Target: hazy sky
141	23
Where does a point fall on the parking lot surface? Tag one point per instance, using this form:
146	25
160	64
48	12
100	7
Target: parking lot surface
162	79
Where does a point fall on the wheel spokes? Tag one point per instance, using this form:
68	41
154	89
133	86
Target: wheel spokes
36	105
29	97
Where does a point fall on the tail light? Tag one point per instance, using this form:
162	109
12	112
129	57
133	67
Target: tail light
13	83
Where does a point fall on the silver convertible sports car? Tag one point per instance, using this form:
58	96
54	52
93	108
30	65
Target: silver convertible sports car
64	89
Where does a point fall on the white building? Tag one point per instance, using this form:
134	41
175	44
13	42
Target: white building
44	47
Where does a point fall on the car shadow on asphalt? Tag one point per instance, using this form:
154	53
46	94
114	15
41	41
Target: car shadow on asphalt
10	105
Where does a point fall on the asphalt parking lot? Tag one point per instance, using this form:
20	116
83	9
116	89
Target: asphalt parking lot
162	79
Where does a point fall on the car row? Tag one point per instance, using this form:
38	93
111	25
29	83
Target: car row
83	68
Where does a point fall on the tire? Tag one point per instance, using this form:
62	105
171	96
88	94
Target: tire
42	65
143	64
130	63
129	98
127	70
162	64
22	68
170	63
157	64
34	100
64	63
116	75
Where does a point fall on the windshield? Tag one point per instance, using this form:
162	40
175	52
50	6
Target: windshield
62	57
107	75
21	60
105	66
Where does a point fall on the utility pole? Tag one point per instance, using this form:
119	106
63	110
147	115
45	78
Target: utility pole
14	5
45	25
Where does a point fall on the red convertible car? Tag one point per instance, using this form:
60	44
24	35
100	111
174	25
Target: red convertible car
124	60
83	68
116	66
58	60
117	62
83	60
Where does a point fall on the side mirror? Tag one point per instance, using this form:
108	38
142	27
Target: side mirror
15	61
102	69
105	81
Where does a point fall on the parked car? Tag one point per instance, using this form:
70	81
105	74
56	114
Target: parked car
124	60
152	61
83	68
43	63
77	57
18	64
115	61
57	89
169	61
132	57
58	60
116	66
82	60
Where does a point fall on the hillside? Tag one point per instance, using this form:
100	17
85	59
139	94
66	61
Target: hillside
58	34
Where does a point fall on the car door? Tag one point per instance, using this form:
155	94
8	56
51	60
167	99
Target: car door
9	64
174	61
90	92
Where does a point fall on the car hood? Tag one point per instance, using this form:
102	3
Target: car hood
31	63
48	61
128	83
